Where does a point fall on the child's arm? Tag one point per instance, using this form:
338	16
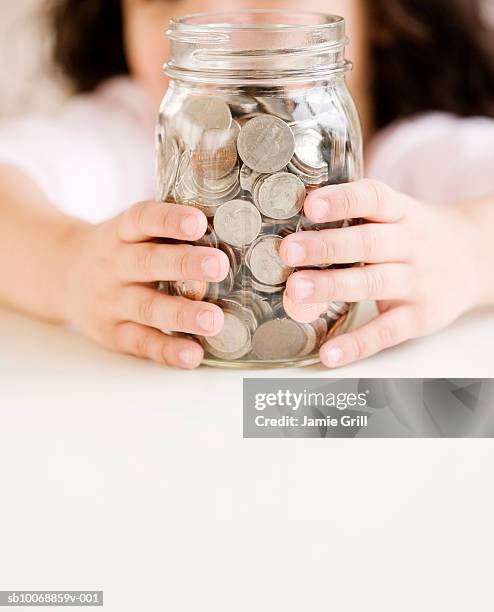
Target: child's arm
426	265
96	277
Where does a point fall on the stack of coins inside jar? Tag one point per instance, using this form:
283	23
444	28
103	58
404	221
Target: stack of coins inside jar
248	161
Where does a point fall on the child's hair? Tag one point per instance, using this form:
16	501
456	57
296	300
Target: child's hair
428	54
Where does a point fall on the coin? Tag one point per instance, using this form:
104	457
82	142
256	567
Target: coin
240	104
263	288
277	107
191	289
263	259
215	155
336	309
242	312
232	342
207	113
310	151
303	313
278	339
247	177
237	222
234	256
311	339
281	195
266	144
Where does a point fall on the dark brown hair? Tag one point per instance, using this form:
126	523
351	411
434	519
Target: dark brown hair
427	54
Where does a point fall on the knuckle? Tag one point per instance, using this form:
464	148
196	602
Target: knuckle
181	263
143	344
326	249
331	284
144	259
349	201
358	346
137	216
148	308
369	242
380	192
384	336
178	318
374	283
167	352
163	218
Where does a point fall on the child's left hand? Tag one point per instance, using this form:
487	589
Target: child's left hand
420	265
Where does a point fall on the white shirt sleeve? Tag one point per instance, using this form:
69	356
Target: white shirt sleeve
95	157
436	157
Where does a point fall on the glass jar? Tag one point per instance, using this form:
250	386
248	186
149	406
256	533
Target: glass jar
257	114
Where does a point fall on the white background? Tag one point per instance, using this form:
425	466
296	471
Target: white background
116	474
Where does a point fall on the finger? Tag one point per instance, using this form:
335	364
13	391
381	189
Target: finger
161	220
373	282
148	262
152	344
369	243
368	199
386	330
149	307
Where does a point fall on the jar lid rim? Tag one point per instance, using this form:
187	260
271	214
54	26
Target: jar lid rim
191	21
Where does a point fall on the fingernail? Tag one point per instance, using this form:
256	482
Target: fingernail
189	225
334	356
304	288
295	253
188	358
319	209
211	267
205	320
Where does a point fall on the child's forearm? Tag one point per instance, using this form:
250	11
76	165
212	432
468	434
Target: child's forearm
479	214
38	245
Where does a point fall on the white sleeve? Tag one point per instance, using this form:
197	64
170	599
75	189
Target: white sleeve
436	157
92	160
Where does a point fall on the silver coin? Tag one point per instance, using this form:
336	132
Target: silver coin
277	106
233	254
237	222
241	104
259	305
209	239
311	339
235	130
164	286
278	339
266	144
232	342
281	195
310	180
207	113
309	151
248	178
263	288
337	309
263	259
226	285
243	312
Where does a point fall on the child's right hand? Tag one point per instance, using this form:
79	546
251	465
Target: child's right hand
111	294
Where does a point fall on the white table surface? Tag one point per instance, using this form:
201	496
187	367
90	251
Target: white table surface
120	475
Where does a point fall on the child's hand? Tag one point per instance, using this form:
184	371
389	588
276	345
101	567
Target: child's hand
111	293
421	265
